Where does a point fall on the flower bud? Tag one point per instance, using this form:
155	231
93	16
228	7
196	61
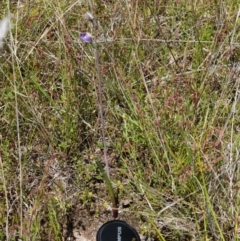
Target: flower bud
88	16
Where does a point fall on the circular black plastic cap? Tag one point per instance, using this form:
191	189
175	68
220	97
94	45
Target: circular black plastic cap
117	231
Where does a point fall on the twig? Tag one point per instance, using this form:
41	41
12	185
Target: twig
6	199
13	48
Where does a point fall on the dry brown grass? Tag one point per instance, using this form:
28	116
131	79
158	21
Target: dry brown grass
170	73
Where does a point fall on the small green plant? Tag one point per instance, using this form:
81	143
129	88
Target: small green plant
87	38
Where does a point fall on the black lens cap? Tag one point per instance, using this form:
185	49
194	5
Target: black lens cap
117	230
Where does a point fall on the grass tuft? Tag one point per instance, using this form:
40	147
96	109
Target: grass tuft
170	99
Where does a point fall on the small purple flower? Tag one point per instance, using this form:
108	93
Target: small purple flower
86	37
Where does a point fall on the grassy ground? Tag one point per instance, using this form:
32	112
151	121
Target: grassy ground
170	73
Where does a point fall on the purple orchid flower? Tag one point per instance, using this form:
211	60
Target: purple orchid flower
86	37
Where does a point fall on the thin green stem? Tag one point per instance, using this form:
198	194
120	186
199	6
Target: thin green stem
96	54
